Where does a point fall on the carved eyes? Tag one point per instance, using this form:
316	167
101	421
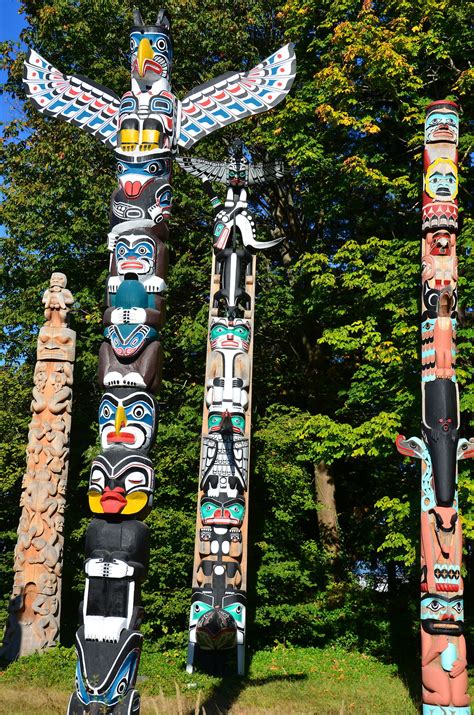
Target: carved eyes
160	45
152	168
106	412
133	45
134	480
120	168
97	478
435	606
138	412
457	606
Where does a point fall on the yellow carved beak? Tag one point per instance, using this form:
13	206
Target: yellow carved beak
145	52
120	419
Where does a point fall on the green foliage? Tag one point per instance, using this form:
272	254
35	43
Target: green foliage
336	364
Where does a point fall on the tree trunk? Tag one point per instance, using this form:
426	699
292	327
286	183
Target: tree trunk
327	514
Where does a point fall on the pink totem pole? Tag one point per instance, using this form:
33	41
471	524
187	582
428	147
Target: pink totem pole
443	646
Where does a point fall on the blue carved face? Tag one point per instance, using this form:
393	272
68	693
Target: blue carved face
128	421
151	53
135	254
442	126
134	176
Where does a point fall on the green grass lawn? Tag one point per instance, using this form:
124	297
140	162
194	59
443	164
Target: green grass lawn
327	681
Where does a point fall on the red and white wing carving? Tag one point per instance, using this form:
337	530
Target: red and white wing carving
74	98
234	95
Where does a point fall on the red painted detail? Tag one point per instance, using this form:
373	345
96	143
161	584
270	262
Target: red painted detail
126	437
131	264
112	500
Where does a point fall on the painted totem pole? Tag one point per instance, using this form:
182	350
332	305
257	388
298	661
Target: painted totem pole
444	674
217	618
33	622
144	128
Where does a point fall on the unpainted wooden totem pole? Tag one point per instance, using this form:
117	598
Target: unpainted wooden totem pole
443	646
217	618
144	128
34	613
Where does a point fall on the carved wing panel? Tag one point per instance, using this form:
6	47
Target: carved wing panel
76	99
235	95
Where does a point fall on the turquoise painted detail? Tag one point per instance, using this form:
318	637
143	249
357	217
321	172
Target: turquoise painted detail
445	710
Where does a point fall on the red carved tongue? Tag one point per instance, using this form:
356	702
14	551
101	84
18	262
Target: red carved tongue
112	500
127	437
132	188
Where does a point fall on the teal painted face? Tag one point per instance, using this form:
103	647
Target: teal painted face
218	512
441	608
442	126
230	335
216	423
442	615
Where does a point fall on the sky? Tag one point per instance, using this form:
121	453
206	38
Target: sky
10	27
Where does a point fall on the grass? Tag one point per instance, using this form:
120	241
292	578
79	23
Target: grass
303	681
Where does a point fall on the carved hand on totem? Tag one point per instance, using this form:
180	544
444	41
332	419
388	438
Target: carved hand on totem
121	316
459	666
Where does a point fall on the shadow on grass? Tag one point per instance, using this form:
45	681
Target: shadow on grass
227	692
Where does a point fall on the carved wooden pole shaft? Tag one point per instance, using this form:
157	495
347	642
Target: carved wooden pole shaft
444	674
144	128
218	608
35	609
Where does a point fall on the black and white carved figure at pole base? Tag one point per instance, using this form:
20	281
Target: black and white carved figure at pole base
145	128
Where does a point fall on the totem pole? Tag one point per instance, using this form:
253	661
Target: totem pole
33	622
443	647
217	618
144	128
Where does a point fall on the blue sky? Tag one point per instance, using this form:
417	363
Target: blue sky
10	27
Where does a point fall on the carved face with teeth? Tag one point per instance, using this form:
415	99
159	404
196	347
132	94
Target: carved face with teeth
135	254
230	334
222	512
442	180
121	485
127	421
442	124
442	615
